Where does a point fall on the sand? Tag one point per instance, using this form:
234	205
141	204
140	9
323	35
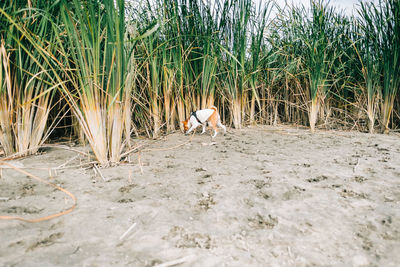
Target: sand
260	196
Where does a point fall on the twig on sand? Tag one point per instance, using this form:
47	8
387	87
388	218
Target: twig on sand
174	262
355	166
99	172
127	231
65	163
208	144
131	150
290	252
51	173
84	166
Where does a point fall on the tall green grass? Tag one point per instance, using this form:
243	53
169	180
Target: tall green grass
313	33
95	42
142	69
26	91
381	26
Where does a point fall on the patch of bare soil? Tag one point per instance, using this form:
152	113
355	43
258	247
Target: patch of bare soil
261	196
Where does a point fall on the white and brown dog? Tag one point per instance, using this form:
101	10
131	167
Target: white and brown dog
202	117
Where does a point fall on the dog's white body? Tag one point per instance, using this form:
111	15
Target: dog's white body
204	116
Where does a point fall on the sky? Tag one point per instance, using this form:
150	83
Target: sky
348	6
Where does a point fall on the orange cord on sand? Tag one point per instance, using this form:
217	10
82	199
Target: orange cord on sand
52	216
46	218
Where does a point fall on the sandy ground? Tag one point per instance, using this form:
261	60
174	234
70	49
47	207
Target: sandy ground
261	196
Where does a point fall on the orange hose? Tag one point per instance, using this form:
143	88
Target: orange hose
46	218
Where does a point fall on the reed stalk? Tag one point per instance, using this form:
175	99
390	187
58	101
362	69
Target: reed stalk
381	25
25	90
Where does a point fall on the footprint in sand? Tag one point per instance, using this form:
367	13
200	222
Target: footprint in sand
206	178
206	201
258	183
184	239
127	188
317	179
21	210
28	190
263	222
347	193
360	179
48	241
126	196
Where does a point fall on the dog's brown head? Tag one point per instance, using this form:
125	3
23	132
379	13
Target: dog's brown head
186	125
